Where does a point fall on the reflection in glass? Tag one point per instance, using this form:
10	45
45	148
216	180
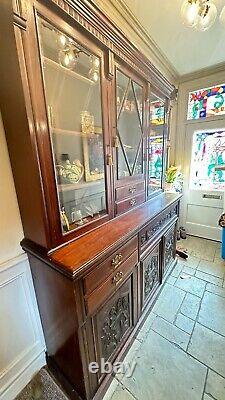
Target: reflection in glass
156	144
73	97
129	97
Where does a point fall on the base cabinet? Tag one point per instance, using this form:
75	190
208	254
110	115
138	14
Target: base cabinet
93	317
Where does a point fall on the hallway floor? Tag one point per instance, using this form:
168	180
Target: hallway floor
180	350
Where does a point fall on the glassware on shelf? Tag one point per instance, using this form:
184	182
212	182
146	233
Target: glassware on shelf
77	217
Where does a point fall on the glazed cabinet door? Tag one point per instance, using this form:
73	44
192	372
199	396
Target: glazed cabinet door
75	95
129	140
150	273
169	247
157	142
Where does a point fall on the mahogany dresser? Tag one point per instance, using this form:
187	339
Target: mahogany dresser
86	116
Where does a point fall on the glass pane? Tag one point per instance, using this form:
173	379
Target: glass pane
139	98
129	126
156	143
73	96
207	102
122	82
208	155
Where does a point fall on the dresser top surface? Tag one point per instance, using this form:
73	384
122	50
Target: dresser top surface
84	250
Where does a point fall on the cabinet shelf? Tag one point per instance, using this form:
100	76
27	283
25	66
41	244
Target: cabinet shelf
68	132
67	71
72	186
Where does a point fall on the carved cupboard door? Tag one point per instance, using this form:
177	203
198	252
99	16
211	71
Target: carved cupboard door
114	321
150	266
169	247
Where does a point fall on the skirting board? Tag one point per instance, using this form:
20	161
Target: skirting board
22	346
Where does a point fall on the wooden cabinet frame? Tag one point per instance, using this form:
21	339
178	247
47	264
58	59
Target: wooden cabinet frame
83	21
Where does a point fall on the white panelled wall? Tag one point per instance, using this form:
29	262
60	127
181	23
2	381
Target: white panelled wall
22	348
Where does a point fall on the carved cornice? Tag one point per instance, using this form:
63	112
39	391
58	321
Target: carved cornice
93	20
149	46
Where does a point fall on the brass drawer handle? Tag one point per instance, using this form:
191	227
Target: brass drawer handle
133	202
132	189
117	278
116	260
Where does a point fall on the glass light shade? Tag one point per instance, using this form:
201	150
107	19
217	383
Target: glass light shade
222	16
94	75
67	58
63	42
95	62
189	12
204	22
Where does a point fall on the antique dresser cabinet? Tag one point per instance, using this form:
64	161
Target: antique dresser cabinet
86	119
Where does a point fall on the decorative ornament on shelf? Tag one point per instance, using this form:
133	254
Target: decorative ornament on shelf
87	123
68	172
200	14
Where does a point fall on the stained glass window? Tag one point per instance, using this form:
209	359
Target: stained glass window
155	162
155	143
208	154
206	103
157	112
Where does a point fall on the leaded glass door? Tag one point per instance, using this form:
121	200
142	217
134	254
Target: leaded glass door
204	183
130	126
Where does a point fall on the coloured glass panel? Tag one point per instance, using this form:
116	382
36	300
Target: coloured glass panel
156	143
206	103
208	155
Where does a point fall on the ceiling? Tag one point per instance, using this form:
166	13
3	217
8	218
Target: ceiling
186	49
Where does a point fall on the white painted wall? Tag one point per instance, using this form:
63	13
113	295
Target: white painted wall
22	348
179	150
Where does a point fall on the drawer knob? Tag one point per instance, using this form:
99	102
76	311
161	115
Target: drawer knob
117	278
132	189
133	202
117	260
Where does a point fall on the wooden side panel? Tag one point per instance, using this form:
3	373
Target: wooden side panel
19	127
57	305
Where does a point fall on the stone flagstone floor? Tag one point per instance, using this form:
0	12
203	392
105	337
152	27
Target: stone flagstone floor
180	350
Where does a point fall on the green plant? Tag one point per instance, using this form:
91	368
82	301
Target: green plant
171	174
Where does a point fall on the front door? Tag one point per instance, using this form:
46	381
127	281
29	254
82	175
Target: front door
204	182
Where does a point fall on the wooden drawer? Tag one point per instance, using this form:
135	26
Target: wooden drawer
128	204
101	293
103	270
129	191
159	223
